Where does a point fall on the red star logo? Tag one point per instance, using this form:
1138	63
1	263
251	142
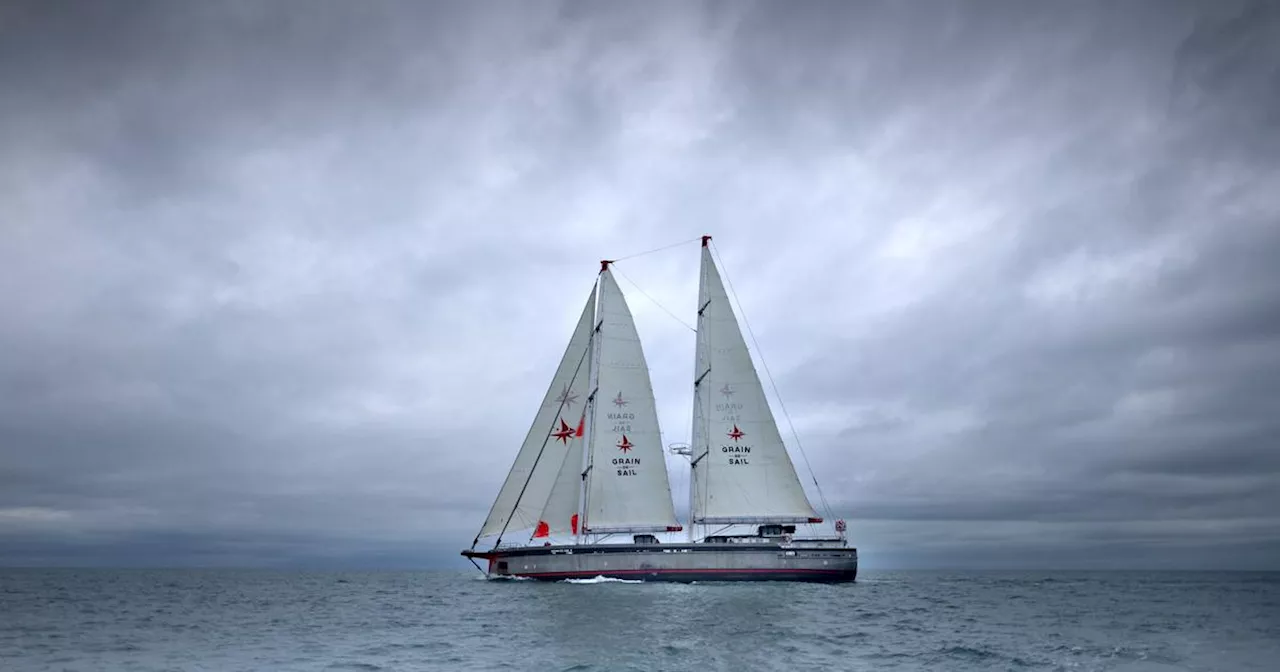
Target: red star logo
564	432
624	445
736	434
619	401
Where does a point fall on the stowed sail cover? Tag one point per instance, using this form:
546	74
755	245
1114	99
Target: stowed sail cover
550	438
627	487
741	471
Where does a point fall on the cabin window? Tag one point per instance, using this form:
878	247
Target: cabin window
644	539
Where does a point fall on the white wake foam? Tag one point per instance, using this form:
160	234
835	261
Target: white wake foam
601	579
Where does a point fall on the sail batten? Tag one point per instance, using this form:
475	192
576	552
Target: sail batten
535	471
742	473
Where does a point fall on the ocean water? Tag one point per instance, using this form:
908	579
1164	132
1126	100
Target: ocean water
279	620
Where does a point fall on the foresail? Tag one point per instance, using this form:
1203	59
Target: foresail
627	488
534	472
560	514
741	470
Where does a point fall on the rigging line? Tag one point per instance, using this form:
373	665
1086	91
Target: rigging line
655	301
796	435
658	249
541	450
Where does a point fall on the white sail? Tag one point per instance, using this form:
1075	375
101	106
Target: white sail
627	486
560	514
741	471
525	492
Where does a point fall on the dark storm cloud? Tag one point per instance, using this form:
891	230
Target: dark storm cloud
281	281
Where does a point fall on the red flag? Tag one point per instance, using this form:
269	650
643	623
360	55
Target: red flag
573	523
543	530
582	422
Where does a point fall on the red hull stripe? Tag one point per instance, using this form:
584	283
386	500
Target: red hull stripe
689	571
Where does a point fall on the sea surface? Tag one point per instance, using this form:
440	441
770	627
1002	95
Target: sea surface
280	620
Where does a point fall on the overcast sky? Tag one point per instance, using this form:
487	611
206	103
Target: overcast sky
282	283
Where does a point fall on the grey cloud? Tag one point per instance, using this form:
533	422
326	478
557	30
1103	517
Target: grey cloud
282	285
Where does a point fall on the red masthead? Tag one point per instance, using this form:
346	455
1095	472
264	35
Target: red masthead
604	264
705	240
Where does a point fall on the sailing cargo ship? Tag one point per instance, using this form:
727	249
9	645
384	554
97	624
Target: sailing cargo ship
588	494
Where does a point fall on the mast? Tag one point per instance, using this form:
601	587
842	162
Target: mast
698	449
594	386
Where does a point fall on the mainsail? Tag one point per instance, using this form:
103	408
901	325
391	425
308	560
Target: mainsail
627	486
741	471
550	438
